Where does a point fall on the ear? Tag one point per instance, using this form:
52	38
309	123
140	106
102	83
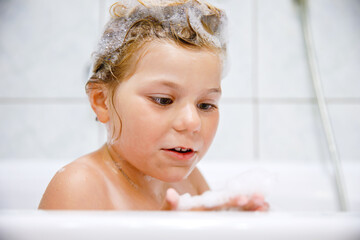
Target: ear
98	95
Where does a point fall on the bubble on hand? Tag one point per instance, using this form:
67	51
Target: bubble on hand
255	181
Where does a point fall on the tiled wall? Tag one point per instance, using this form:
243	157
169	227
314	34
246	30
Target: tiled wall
268	110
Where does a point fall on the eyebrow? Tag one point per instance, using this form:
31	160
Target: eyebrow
215	90
177	87
168	84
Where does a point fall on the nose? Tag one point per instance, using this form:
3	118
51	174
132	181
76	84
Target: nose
187	119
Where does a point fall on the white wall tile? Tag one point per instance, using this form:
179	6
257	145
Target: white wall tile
47	131
335	26
291	132
46	47
282	67
234	139
238	78
345	119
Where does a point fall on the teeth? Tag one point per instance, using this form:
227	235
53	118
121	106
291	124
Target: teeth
181	149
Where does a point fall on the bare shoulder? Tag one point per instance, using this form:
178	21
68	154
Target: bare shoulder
78	185
198	181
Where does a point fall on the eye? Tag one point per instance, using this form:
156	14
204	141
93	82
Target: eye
206	106
162	101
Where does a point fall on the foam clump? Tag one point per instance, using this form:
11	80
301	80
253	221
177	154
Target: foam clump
256	181
182	17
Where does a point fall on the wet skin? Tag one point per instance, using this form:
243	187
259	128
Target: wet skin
170	102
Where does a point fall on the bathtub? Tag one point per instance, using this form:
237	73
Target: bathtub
303	206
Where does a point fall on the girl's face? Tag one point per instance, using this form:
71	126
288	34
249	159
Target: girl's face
168	110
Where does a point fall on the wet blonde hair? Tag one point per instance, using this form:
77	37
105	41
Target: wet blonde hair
193	24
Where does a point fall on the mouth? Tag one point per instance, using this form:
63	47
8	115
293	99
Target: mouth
181	150
181	153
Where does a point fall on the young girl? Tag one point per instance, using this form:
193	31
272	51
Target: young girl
156	87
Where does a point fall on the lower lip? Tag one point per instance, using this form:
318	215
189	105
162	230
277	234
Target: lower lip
180	156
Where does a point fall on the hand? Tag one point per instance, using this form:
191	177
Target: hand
171	201
255	202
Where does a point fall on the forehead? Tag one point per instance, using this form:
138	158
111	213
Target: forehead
160	59
168	49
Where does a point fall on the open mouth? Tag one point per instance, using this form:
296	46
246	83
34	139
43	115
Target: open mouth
181	150
180	153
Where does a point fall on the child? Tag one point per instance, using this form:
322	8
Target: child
156	87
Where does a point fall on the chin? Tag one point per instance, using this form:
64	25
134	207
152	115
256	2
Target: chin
177	176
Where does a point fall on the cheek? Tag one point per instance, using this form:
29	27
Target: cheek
210	127
141	126
133	140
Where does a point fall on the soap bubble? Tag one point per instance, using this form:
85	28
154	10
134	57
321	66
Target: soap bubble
193	21
255	181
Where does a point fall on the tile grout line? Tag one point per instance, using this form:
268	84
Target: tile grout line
43	100
101	20
224	100
101	17
249	100
254	66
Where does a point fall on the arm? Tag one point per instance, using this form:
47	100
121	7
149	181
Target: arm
78	186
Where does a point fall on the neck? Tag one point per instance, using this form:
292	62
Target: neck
137	180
